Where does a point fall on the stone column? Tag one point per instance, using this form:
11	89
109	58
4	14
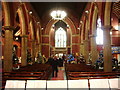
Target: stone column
40	47
33	50
119	24
107	52
24	50
8	62
81	48
37	48
94	52
86	50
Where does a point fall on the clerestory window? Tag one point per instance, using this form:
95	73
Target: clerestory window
99	38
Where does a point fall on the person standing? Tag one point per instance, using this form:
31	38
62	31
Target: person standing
60	63
55	67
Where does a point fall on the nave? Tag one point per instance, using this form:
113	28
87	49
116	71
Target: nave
32	32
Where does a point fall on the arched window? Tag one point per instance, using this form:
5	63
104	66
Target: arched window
60	37
99	38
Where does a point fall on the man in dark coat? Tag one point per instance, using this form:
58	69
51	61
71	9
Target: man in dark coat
55	66
50	60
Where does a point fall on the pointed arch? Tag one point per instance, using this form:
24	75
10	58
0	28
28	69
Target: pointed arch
66	20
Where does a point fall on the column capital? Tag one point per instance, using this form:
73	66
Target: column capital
9	28
92	35
85	40
106	27
81	44
24	36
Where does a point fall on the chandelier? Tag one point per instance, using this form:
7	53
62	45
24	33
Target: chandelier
58	15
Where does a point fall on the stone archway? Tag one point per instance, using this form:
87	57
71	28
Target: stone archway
47	31
23	35
33	43
66	20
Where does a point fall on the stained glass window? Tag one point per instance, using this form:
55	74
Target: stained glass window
60	37
99	38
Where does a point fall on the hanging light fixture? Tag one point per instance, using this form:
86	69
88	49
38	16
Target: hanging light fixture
58	15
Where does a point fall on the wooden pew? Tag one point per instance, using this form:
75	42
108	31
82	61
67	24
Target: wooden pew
31	72
23	75
78	78
47	69
117	73
79	68
93	75
78	75
23	78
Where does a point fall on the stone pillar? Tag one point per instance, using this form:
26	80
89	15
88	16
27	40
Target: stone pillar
40	47
81	48
37	48
24	50
33	50
119	24
94	52
86	50
8	62
107	52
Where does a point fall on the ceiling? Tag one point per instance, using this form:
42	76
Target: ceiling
74	9
116	9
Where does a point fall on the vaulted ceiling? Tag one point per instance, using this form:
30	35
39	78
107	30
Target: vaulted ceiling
74	9
116	9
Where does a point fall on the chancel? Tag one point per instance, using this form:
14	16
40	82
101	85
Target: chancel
66	45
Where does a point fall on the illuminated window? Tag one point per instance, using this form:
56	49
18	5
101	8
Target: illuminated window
99	38
60	37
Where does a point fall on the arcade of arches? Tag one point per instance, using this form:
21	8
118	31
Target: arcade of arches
27	32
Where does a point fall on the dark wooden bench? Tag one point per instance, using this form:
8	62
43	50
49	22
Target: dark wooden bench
109	73
79	68
23	78
33	72
78	78
47	69
80	71
92	74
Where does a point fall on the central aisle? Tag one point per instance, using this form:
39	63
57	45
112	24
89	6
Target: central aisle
61	74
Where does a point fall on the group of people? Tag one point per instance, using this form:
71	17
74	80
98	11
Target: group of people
75	58
40	58
100	62
114	63
55	62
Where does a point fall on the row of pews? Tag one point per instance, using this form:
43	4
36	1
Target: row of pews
83	84
32	72
82	71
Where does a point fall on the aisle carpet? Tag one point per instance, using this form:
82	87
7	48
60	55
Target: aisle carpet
61	75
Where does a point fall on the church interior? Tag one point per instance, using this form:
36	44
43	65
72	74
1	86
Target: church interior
60	45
